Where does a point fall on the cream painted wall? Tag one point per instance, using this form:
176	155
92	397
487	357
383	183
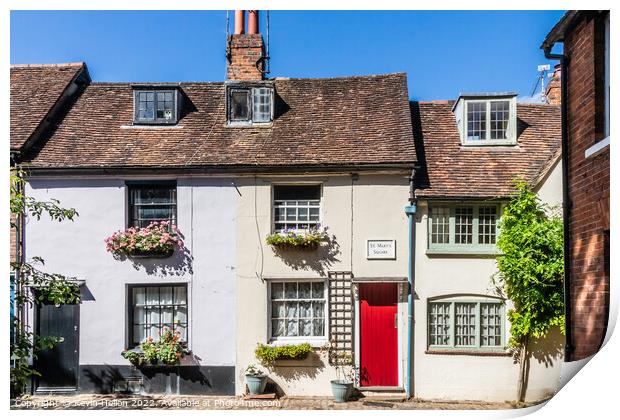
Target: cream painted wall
489	378
371	207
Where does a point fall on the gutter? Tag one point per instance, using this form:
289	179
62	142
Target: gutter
410	211
566	207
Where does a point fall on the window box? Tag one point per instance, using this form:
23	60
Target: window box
157	240
463	228
308	239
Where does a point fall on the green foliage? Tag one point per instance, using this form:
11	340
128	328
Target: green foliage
54	288
134	357
267	355
531	266
22	204
23	346
167	350
309	238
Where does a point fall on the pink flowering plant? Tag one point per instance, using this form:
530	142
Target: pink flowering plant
298	238
156	238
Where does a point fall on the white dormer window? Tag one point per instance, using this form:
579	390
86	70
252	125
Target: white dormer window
485	119
248	105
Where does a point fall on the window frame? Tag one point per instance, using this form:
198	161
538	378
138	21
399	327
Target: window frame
314	341
477	300
250	89
155	121
129	307
288	184
452	247
155	184
511	130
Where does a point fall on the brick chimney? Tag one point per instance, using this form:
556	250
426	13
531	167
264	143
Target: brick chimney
553	92
246	51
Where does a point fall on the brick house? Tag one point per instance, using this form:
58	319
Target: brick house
231	162
585	102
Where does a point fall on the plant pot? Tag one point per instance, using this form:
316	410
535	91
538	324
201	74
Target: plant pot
151	254
341	390
256	384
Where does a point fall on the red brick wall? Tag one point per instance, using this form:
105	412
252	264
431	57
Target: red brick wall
245	51
588	182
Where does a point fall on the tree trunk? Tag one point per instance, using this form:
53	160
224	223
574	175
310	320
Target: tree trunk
522	387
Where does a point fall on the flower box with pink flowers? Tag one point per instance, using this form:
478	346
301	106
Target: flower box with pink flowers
157	240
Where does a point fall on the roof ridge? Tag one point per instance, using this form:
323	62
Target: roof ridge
35	65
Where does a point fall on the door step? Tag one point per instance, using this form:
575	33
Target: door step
381	393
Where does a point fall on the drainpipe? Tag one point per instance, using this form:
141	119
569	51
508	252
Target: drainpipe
569	347
410	212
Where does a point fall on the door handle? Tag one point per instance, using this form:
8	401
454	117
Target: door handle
396	320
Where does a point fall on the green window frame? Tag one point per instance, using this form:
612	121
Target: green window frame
462	228
466	324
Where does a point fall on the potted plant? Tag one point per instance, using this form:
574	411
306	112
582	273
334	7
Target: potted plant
255	379
298	238
267	355
168	350
343	384
157	240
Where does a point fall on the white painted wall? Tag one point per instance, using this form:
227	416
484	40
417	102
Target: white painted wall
206	217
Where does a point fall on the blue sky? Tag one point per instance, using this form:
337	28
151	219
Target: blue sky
442	52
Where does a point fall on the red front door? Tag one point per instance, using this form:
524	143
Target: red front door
378	334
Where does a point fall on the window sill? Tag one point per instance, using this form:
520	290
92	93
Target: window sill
436	252
451	352
243	124
483	143
151	126
315	343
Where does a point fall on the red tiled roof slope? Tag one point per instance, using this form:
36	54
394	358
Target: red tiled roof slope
35	88
337	121
455	171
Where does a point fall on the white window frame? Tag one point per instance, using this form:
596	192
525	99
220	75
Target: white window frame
511	132
314	341
289	184
478	300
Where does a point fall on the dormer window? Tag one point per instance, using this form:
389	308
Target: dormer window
156	106
249	105
486	119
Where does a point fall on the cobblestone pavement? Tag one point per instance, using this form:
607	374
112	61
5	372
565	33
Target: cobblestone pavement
124	402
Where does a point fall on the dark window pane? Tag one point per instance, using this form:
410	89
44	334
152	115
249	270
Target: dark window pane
239	109
297	192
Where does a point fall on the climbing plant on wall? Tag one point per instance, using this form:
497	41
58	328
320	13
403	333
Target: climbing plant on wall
531	269
50	288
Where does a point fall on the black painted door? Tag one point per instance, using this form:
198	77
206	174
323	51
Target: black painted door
58	366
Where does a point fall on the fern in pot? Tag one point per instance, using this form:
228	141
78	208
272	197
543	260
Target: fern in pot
255	379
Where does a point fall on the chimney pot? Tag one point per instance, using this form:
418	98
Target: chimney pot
253	22
239	22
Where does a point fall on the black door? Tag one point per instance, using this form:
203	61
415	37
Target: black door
58	366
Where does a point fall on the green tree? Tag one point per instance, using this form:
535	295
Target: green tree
531	271
54	288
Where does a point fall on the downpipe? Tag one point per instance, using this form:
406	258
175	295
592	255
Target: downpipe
410	211
569	346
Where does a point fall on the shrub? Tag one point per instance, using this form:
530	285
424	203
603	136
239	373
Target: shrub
267	355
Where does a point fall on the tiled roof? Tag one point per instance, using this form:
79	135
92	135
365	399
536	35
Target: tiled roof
335	121
35	88
453	171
